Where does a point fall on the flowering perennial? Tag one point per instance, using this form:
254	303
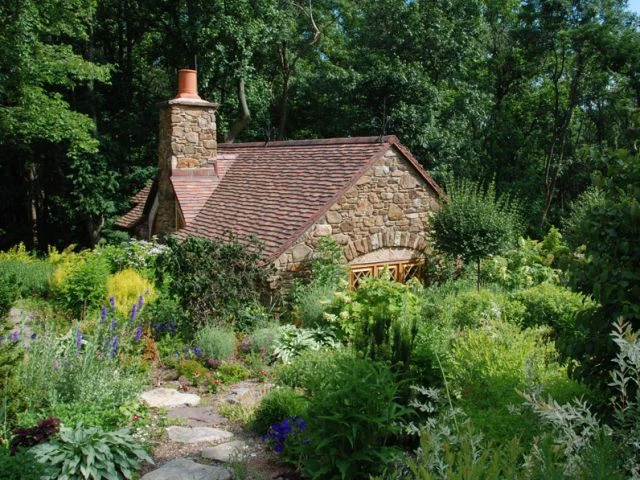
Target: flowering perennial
287	430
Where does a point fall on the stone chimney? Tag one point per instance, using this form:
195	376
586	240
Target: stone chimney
187	147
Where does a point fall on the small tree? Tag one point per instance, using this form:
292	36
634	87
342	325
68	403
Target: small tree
474	222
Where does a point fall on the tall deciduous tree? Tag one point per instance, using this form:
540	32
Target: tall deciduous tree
51	173
608	224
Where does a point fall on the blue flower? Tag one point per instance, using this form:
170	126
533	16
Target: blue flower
79	339
140	302
114	346
33	336
15	335
114	324
112	301
138	333
103	313
196	351
285	431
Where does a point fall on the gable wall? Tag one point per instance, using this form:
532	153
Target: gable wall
389	207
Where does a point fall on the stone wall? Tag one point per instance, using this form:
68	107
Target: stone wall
187	144
389	207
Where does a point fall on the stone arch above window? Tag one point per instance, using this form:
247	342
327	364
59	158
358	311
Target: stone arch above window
388	239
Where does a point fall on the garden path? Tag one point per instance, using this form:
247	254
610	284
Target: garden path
202	444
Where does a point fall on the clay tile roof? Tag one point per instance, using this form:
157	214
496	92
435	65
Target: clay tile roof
134	216
192	193
277	190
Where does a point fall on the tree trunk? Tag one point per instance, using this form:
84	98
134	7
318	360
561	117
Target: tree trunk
245	115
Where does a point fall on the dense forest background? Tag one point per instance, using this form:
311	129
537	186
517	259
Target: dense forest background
534	94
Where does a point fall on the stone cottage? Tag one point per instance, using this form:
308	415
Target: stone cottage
369	193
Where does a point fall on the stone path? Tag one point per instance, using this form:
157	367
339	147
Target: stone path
203	443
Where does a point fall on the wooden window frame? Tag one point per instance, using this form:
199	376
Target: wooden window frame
375	269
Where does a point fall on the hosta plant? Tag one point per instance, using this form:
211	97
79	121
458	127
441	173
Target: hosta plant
90	452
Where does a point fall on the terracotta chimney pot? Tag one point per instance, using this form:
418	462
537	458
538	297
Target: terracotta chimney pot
188	84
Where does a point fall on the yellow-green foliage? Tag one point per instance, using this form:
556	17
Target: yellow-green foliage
67	261
79	283
126	286
65	256
17	252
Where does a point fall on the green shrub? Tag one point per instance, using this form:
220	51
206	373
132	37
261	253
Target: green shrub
104	414
471	308
80	285
352	416
328	274
431	345
90	452
8	294
215	279
216	342
31	278
251	317
530	263
166	316
302	371
231	372
380	317
22	466
139	255
275	406
11	398
263	339
192	370
487	363
559	308
312	302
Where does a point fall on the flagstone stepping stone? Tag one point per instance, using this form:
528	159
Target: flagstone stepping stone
169	398
197	416
197	434
186	469
247	393
225	451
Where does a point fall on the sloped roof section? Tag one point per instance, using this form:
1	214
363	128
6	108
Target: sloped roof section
192	193
134	216
277	190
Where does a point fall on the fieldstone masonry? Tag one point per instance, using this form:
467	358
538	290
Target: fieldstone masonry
187	146
389	207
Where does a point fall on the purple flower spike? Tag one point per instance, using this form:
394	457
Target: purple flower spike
134	313
140	302
114	324
79	339
114	346
112	301
138	336
103	313
15	335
